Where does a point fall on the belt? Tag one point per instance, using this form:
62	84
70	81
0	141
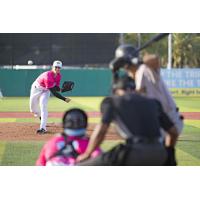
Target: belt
136	140
38	86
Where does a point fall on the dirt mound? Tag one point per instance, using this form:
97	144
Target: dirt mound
27	131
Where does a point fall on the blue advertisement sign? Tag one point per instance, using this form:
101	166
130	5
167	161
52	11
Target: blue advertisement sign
181	78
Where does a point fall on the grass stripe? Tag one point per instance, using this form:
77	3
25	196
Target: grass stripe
186	159
54	105
26	153
94	120
88	103
194	123
50	120
2	150
7	119
21	153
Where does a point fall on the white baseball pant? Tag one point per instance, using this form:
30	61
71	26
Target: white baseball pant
39	97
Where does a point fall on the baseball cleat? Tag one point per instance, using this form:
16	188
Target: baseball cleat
41	131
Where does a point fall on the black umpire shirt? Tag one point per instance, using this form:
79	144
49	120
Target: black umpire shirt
135	115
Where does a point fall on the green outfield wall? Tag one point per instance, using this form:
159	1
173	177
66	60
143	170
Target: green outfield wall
96	82
88	82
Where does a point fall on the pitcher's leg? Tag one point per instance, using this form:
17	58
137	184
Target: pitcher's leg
43	107
34	101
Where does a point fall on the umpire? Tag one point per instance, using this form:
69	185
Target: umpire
138	120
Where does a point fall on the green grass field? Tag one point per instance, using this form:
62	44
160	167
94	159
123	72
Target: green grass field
19	153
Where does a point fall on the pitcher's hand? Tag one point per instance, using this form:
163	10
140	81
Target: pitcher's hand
67	99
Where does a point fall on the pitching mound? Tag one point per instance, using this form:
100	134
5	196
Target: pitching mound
27	131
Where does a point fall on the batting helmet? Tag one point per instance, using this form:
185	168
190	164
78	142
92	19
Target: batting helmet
75	119
126	51
125	54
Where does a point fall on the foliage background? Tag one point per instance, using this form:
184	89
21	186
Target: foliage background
186	48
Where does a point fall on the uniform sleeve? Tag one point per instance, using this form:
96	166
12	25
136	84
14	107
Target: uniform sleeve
96	152
48	81
56	94
58	80
140	79
107	110
81	146
165	122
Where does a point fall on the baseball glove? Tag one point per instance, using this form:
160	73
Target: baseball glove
67	86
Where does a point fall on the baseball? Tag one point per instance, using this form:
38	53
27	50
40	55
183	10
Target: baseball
30	62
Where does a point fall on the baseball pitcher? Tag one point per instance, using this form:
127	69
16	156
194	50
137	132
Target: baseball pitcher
40	92
63	149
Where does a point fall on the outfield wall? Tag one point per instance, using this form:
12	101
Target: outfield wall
96	82
88	82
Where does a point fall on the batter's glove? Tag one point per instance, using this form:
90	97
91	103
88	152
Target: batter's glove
67	86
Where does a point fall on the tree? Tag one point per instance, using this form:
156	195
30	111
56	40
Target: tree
186	48
159	48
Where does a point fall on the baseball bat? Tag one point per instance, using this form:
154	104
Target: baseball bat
152	40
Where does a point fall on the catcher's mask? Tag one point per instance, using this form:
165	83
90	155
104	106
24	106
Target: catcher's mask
124	83
125	55
75	122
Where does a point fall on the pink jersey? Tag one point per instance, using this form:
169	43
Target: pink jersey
49	79
56	143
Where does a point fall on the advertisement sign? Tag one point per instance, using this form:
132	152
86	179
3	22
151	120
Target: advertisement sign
182	82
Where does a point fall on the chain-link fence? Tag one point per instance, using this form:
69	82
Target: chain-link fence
73	49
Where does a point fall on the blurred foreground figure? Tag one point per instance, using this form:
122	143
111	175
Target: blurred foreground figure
150	84
63	148
146	73
138	120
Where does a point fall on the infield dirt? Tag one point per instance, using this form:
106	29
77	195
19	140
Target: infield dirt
16	131
27	131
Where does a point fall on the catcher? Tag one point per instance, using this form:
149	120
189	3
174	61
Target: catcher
40	92
63	148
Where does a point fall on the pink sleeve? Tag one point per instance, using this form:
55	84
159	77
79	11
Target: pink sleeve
96	152
58	80
81	146
48	81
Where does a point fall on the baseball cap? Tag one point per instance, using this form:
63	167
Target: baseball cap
57	63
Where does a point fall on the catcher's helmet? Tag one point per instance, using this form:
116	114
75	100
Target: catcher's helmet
125	82
75	119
